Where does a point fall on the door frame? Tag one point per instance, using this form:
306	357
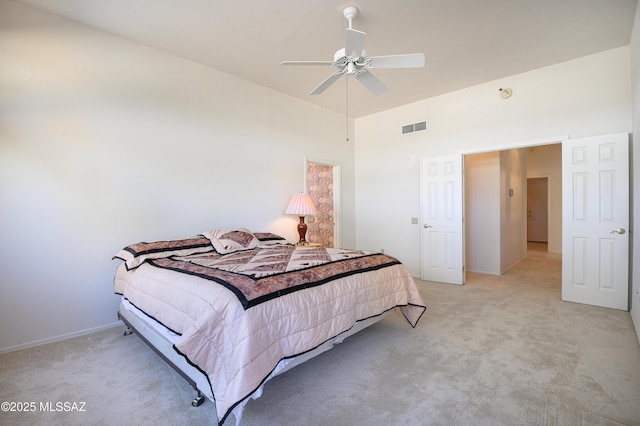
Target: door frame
504	147
337	195
509	146
526	144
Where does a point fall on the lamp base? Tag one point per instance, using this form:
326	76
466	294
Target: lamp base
302	230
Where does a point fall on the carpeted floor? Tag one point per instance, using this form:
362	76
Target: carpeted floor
496	351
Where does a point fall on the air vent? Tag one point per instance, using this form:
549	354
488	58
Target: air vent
415	127
407	129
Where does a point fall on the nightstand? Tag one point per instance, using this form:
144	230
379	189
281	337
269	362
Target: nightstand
308	244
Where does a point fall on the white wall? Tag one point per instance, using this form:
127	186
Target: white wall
546	161
491	212
482	213
104	142
635	73
513	209
584	97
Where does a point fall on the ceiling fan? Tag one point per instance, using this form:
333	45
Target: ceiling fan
353	60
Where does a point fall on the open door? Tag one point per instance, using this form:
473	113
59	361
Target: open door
442	228
595	223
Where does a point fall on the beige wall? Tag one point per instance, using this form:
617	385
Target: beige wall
546	161
635	77
482	213
104	142
513	209
491	212
584	97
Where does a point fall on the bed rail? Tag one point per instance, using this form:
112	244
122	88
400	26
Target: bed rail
199	398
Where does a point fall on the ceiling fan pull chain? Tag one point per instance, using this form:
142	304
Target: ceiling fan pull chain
347	105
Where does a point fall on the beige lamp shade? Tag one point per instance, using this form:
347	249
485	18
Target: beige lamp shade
301	205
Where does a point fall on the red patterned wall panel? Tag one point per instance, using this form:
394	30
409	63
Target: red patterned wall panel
320	187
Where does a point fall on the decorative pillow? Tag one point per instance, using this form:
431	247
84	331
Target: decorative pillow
231	240
268	239
135	254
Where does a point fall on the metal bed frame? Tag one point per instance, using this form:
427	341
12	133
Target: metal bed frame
142	327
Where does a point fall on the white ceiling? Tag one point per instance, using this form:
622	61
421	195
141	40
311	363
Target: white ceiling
466	42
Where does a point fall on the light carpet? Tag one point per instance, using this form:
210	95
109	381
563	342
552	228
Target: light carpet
497	351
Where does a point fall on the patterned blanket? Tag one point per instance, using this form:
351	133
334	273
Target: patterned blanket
258	275
238	337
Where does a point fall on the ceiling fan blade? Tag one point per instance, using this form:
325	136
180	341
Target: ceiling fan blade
374	85
411	60
327	82
354	43
306	63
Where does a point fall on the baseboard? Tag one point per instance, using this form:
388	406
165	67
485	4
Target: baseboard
59	338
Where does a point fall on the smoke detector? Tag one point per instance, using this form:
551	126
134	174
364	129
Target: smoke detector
506	93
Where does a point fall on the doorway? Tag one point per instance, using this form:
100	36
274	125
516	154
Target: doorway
507	194
593	190
492	208
323	185
537	210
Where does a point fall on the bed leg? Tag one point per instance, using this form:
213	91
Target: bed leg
198	400
128	330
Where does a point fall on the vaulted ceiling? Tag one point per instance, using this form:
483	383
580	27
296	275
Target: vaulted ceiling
465	42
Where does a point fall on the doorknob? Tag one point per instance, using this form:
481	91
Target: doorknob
427	226
618	231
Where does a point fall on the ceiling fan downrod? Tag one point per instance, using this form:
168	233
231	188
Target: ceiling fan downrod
350	12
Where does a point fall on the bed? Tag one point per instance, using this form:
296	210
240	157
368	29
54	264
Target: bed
229	309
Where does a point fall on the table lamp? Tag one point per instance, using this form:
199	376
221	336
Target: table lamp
301	205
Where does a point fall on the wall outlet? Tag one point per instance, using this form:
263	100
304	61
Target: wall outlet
382	251
414	220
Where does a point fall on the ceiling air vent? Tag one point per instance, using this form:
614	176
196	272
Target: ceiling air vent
415	127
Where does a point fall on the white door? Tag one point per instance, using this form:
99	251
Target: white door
595	223
442	227
537	210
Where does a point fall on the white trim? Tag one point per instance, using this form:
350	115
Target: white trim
485	149
337	205
514	145
60	337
